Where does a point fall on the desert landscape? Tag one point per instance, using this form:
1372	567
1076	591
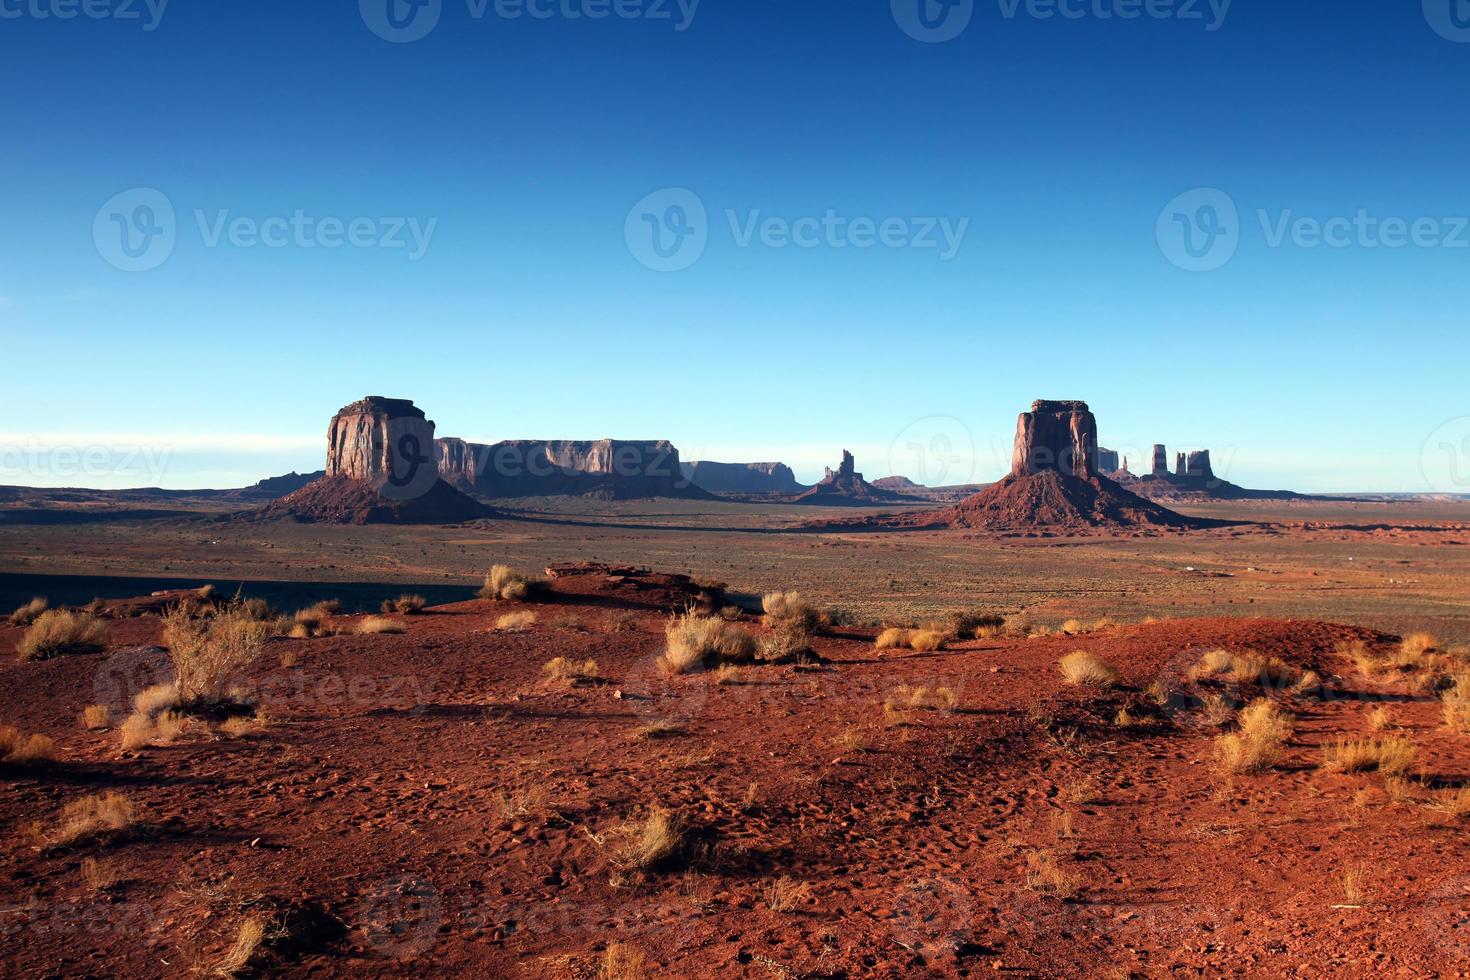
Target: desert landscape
667	489
362	724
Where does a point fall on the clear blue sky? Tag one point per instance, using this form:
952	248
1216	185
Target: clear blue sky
1060	141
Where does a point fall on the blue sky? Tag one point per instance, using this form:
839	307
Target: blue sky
1065	148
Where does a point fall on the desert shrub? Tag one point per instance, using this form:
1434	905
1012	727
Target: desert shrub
1217	709
1456	704
59	631
405	605
378	624
96	717
1084	669
18	747
98	817
160	697
659	729
1264	720
921	640
969	622
1392	755
1045	875
1453	806
726	675
694	641
137	731
622	962
256	609
1415	645
575	671
653	842
788	610
1245	668
787	642
1259	744
29	613
100	875
507	583
945	699
786	893
248	938
569	622
210	655
622	622
516	622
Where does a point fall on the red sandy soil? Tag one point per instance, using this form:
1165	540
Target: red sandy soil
340	500
368	817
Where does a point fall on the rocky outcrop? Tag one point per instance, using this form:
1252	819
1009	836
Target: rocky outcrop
1161	460
1052	487
1107	460
608	468
380	470
845	487
752	478
1197	465
1055	435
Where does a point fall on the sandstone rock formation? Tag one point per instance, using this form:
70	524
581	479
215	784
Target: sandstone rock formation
845	486
1193	478
1052	487
1161	460
609	468
1055	435
1107	460
743	478
380	470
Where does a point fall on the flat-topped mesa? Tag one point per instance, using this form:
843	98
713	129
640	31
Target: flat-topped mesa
1055	435
616	468
379	440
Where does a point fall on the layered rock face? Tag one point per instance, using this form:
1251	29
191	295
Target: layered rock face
1161	460
379	439
610	468
1055	435
380	470
741	477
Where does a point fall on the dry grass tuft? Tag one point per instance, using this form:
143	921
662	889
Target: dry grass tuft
1263	720
30	612
571	671
726	675
1380	719
1045	875
653	842
507	583
1391	755
655	730
160	697
1453	806
622	622
786	893
622	962
694	642
210	655
248	938
920	640
100	875
788	642
59	631
790	610
1084	669
1260	743
1415	645
96	717
22	749
1456	704
99	817
516	622
853	740
1245	668
405	605
380	624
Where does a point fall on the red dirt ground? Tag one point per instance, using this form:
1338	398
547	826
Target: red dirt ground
368	818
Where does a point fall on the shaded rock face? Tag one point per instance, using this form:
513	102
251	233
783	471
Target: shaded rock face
611	468
380	470
1161	460
845	486
1107	460
1055	435
386	442
741	477
1197	465
846	470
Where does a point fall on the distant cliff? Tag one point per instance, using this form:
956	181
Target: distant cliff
742	477
612	469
